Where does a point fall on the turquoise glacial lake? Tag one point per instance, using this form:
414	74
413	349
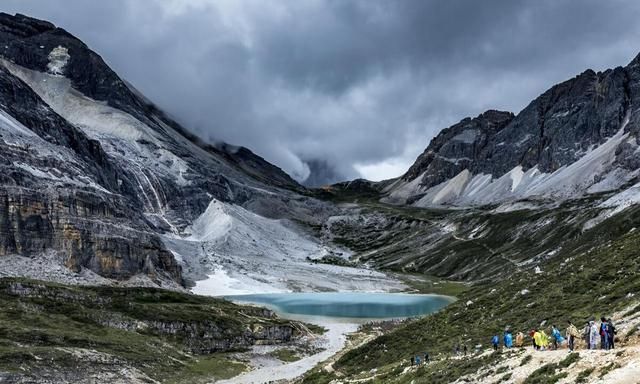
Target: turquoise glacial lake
348	304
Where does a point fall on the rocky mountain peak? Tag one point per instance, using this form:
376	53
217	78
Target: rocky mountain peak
29	42
561	128
635	61
23	25
454	148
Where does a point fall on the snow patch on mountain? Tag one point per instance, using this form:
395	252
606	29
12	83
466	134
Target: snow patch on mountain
58	59
593	173
230	250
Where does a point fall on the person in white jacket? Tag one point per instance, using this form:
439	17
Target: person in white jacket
593	335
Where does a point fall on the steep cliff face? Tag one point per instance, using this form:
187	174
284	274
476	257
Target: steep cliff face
42	47
456	147
94	171
85	229
579	137
60	190
561	125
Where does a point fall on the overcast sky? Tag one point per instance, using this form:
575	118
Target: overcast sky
355	88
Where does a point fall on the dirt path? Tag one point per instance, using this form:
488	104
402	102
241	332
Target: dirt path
617	366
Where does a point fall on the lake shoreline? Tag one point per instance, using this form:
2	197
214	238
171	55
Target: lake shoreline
357	307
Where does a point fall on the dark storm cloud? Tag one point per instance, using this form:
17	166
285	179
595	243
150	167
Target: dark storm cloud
361	85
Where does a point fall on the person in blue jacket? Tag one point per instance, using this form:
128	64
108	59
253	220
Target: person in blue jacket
495	341
557	337
604	334
508	339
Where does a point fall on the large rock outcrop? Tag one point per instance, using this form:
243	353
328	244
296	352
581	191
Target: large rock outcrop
456	147
579	137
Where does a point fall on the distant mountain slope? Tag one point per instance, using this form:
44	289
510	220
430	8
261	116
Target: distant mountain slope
579	137
95	172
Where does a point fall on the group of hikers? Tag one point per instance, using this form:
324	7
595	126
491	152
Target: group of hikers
593	335
417	360
602	334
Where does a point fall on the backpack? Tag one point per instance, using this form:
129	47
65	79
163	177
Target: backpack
495	340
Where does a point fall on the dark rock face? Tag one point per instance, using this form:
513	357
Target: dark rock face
102	200
75	223
89	231
204	337
554	130
27	42
456	147
17	99
558	127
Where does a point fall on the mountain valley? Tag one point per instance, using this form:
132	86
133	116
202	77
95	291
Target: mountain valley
117	223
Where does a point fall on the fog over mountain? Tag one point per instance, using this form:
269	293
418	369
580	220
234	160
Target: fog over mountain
357	87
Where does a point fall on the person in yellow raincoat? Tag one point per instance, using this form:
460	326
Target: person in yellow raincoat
537	338
544	339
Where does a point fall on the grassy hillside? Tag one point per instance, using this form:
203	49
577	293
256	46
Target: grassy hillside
465	244
591	274
60	332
